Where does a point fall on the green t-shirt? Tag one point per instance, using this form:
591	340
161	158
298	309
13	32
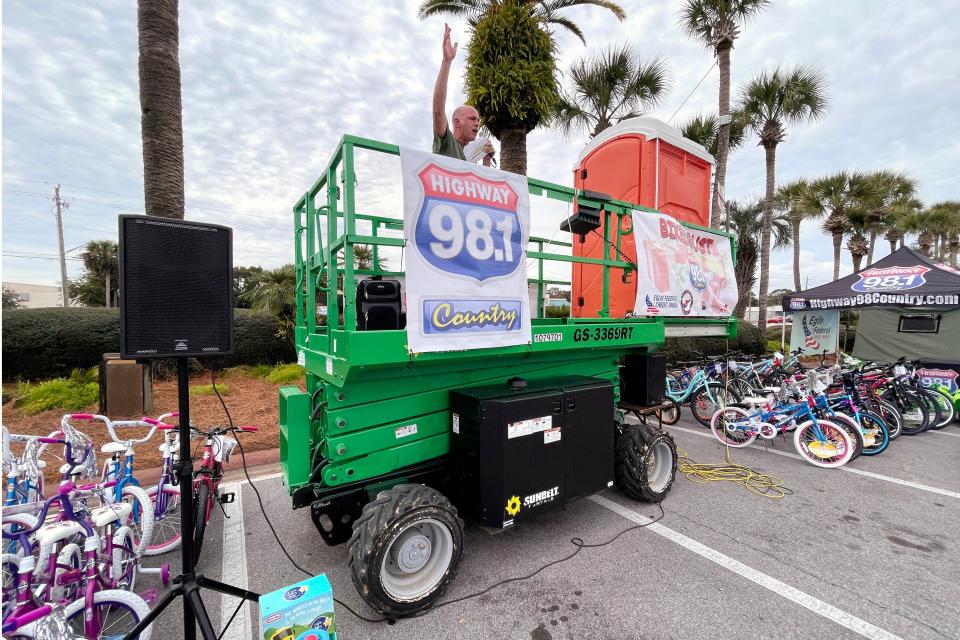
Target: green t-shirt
447	145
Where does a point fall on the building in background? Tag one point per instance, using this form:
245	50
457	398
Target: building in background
34	296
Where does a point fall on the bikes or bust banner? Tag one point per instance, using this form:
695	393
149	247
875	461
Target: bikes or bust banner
814	332
681	271
466	227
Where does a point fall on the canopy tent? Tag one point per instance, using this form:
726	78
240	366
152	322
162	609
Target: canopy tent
911	307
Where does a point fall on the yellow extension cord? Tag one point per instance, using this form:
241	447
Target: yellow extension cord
761	484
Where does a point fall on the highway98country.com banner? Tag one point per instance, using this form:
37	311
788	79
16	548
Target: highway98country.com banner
466	228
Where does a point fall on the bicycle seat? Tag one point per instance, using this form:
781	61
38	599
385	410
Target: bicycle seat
54	532
118	511
65	468
113	447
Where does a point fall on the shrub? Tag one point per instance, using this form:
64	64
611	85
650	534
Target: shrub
48	343
285	374
749	340
68	394
560	311
259	371
207	389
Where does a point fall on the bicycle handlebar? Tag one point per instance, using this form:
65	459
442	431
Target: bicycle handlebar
17	622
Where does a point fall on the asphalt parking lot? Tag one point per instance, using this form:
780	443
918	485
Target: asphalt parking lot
869	550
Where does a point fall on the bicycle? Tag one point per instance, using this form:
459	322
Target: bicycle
704	395
819	442
217	449
165	495
103	578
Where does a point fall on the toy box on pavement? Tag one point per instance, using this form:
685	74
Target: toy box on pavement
301	611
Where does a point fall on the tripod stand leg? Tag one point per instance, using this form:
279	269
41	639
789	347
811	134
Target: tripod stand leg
162	604
230	590
192	600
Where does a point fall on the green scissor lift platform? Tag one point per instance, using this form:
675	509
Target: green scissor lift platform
339	448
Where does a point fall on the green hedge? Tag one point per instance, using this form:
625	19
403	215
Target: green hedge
749	340
49	343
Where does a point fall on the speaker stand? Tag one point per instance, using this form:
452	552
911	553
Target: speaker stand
189	583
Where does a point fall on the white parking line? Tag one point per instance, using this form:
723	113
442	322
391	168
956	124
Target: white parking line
266	476
793	594
944	433
859	472
234	570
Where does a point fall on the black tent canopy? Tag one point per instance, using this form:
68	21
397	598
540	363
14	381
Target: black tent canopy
905	278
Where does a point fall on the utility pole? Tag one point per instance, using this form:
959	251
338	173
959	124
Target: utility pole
63	257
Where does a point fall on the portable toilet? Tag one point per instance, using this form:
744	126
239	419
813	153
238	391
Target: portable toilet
648	162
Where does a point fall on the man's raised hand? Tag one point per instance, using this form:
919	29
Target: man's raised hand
449	50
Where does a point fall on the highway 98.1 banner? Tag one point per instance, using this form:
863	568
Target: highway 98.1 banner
466	228
681	271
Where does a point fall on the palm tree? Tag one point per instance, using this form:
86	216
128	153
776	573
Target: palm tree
836	196
275	291
858	224
161	121
896	223
769	103
705	131
511	75
716	24
100	261
892	187
793	200
745	221
938	228
611	87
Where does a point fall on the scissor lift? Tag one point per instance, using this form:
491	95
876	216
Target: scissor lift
339	446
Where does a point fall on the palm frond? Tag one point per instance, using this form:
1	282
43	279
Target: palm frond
455	8
552	6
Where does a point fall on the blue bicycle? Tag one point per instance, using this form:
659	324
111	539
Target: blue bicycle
705	396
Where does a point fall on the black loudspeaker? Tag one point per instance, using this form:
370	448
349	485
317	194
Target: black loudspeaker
378	305
176	288
643	379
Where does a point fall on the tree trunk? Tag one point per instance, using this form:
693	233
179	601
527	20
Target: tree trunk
771	153
796	254
161	121
108	290
954	246
893	245
513	151
837	242
873	242
857	259
723	138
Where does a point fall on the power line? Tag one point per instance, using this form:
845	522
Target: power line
692	92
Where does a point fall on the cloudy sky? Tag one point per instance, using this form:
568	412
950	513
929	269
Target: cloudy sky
268	88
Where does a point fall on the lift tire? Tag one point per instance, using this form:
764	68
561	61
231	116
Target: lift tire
405	549
645	462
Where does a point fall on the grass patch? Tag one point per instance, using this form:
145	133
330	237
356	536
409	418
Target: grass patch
80	390
285	373
249	371
207	389
774	345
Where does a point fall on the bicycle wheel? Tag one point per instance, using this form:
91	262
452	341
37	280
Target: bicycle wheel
703	404
115	613
933	409
670	415
200	499
166	520
823	444
724	431
141	515
123	563
891	417
912	409
876	435
11	572
69	559
945	405
850	425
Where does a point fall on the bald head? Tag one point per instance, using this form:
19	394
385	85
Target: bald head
466	124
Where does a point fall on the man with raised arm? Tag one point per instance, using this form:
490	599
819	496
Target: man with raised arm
450	141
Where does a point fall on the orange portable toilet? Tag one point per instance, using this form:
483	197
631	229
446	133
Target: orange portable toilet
648	162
